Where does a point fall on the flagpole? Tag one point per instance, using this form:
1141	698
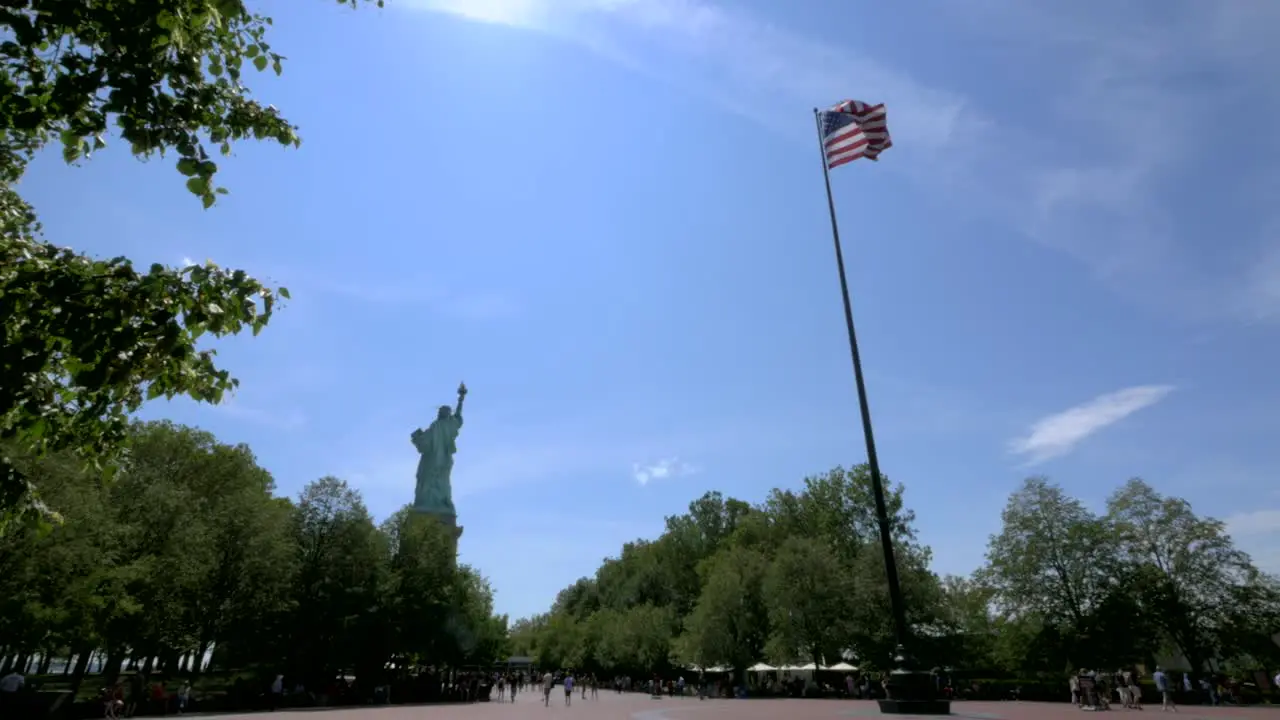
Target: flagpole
913	705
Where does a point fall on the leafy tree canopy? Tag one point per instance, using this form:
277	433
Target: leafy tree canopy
87	341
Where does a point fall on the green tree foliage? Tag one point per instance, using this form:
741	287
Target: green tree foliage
809	594
729	584
188	550
800	578
1149	577
87	341
730	621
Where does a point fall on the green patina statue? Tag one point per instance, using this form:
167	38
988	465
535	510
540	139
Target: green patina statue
437	444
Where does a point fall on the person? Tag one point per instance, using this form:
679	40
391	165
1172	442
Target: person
13	682
502	688
1135	691
135	695
1207	687
277	691
568	689
547	683
1166	691
184	696
10	686
112	701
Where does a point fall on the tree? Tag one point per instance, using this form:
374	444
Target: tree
872	634
1190	577
479	635
967	623
729	624
341	580
808	593
87	341
189	549
1052	559
798	575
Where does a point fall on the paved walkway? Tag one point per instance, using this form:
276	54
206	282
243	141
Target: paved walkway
638	706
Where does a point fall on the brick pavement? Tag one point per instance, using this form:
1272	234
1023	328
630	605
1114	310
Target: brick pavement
637	706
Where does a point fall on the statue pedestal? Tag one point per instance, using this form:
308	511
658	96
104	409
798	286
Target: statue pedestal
448	520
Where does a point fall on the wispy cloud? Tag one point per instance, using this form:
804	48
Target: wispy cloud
744	63
465	304
279	419
1087	167
1258	533
661	470
1101	183
1057	434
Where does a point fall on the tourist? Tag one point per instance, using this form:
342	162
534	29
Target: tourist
136	687
568	689
547	683
11	687
1166	692
277	691
1210	694
184	696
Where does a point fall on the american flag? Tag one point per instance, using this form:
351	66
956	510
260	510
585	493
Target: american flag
853	129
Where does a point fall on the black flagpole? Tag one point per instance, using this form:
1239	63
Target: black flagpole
906	703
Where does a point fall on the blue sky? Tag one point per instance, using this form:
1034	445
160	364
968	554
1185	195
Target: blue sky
607	217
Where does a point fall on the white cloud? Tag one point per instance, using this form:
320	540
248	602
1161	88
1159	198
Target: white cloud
1057	434
281	419
1258	533
1110	191
661	470
745	64
463	304
1087	167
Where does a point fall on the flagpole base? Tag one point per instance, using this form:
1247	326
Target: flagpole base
912	692
915	707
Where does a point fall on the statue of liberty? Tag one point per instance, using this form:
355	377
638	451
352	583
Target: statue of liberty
437	444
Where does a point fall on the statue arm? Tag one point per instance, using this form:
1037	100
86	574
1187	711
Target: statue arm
457	412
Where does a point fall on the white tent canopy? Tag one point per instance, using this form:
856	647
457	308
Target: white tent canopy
809	667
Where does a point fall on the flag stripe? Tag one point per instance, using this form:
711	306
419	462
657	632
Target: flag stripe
852	129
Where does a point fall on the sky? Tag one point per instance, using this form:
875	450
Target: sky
607	217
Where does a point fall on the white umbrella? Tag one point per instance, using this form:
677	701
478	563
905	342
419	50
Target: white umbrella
761	667
842	667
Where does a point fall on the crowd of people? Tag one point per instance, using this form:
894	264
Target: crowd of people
1094	690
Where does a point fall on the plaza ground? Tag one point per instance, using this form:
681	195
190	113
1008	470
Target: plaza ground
637	706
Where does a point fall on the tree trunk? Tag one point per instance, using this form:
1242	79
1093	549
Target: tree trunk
83	656
66	666
170	660
148	664
111	670
46	660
